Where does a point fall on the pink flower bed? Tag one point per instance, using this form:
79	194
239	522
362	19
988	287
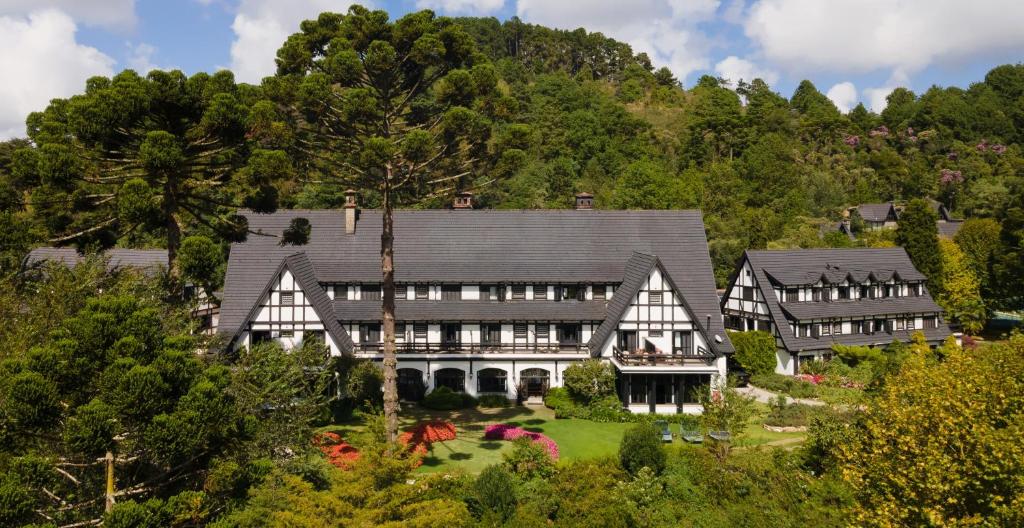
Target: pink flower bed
511	432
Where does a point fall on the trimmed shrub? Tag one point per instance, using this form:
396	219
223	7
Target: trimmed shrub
589	380
529	459
495	490
782	414
785	384
557	397
641	447
491	401
755	351
445	399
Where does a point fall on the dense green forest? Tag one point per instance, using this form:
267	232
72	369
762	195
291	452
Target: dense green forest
108	416
146	161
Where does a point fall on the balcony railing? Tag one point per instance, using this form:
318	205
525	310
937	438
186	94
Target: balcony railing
641	357
476	348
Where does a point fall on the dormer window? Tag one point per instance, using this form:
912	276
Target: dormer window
518	292
451	292
540	291
492	292
340	292
370	292
569	292
422	292
792	294
600	292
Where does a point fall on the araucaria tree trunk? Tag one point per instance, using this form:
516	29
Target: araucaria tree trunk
387	268
391	107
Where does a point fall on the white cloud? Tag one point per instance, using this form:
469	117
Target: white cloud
876	96
859	36
261	26
735	69
41	61
110	14
140	58
664	29
462	7
844	95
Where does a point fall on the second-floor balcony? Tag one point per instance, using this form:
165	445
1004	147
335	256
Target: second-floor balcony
475	348
641	357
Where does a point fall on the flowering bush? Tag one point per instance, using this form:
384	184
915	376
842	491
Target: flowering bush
949	177
815	379
417	441
338	452
511	432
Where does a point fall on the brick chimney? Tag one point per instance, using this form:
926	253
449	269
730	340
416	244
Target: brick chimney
463	200
350	211
584	200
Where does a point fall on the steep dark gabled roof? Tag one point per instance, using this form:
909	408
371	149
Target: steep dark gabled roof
876	212
483	311
145	259
302	269
796	266
638	268
479	246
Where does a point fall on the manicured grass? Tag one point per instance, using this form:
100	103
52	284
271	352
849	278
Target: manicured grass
577	439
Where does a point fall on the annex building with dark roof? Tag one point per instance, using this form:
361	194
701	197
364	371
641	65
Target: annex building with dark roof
493	301
812	299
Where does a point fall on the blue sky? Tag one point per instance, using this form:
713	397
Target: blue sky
855	51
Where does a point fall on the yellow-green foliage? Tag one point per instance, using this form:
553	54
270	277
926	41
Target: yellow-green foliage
961	291
940	446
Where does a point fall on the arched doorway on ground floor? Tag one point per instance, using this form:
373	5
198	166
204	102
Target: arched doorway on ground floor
410	384
535	382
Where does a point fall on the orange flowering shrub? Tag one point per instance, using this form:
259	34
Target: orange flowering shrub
417	441
338	452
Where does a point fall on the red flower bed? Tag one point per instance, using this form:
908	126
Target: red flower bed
418	440
338	452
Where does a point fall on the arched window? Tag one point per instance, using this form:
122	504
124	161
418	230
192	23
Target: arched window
453	378
492	380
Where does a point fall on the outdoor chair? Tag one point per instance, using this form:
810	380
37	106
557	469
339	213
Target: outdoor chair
666	433
693	436
721	436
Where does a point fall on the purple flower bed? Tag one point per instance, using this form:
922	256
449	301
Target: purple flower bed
511	432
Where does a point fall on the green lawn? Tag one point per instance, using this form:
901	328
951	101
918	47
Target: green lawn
577	439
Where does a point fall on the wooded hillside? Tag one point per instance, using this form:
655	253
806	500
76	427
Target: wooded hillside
133	157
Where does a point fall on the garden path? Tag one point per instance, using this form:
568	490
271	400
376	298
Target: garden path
766	396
